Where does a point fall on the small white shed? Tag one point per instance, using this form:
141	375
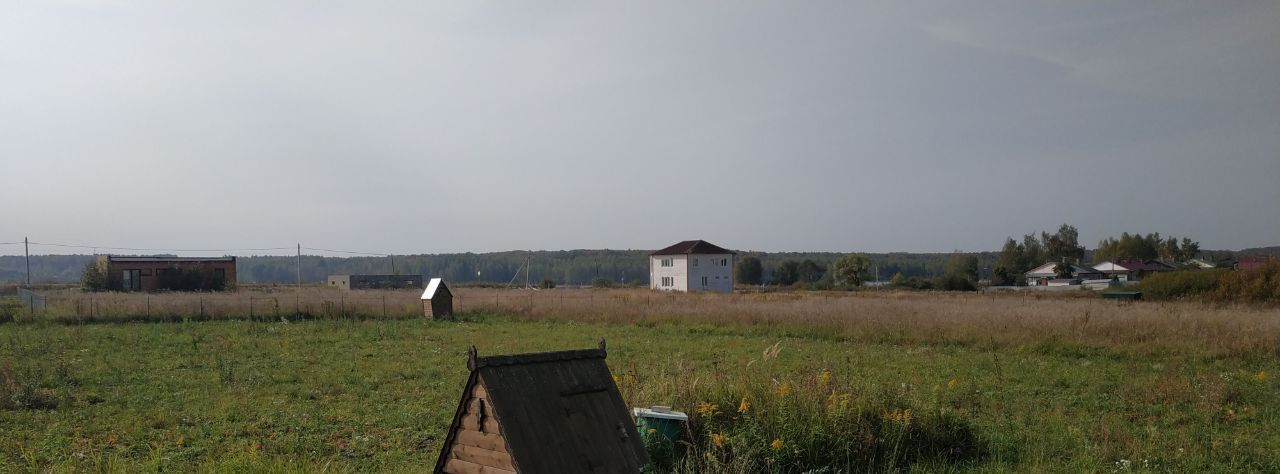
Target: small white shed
437	300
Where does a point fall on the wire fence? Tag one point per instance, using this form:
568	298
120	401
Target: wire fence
71	305
288	303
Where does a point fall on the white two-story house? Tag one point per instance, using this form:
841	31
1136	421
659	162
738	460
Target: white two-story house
692	265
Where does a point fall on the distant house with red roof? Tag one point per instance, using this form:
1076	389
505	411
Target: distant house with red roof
692	265
1253	262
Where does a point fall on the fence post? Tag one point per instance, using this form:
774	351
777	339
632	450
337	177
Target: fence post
384	306
251	307
342	304
148	312
201	307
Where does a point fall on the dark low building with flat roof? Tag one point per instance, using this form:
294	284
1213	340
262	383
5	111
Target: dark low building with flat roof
168	273
375	282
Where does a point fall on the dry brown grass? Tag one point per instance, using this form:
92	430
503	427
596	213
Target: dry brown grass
1068	322
1026	321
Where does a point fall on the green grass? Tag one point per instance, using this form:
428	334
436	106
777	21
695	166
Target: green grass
345	396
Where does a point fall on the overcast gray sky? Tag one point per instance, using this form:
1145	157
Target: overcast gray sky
425	127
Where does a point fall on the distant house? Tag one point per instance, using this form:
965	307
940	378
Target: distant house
374	282
168	273
1199	263
541	412
1253	262
692	265
1045	274
1132	269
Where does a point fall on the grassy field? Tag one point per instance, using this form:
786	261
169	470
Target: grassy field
859	382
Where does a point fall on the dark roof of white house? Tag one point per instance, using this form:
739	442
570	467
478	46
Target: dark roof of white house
690	247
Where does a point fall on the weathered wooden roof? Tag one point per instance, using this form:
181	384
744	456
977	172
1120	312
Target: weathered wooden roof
558	411
690	247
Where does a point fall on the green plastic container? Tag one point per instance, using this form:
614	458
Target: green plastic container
664	422
1123	295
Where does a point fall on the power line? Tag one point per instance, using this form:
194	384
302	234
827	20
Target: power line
137	249
348	252
143	249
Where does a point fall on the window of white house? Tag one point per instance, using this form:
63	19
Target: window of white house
667	262
724	262
704	281
695	262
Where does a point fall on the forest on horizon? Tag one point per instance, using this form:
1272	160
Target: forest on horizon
564	267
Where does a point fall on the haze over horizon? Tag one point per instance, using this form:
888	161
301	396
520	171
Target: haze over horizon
431	127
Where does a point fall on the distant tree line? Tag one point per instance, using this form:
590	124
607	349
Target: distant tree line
628	267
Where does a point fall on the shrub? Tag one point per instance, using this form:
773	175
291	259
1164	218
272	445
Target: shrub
1180	284
93	277
1255	286
954	282
20	390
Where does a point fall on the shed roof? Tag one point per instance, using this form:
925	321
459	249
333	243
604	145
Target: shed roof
690	247
432	287
558	412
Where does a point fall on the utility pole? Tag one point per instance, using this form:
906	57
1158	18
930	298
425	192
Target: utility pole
393	264
299	266
26	247
527	266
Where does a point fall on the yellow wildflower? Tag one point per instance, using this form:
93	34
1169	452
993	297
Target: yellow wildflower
951	384
653	430
825	377
744	405
784	388
717	439
776	444
707	408
1261	377
898	416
